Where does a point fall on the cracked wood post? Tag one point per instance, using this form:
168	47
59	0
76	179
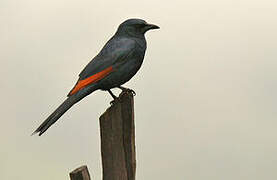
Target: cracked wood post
117	130
118	139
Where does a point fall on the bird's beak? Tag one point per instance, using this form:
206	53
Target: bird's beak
151	26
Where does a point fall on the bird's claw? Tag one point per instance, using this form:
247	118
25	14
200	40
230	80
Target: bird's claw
132	91
128	90
113	101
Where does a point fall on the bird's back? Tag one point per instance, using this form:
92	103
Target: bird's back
116	49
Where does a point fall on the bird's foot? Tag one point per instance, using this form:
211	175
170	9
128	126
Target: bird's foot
114	97
127	90
114	101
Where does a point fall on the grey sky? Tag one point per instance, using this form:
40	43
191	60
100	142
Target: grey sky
206	93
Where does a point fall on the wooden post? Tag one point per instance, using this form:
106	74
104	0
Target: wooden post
118	139
80	173
117	130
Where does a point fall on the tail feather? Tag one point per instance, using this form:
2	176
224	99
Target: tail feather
68	103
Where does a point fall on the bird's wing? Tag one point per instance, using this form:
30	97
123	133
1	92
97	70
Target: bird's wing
114	52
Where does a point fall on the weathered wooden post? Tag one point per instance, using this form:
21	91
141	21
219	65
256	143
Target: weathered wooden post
117	130
118	139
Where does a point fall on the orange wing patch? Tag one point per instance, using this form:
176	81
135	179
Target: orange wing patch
92	79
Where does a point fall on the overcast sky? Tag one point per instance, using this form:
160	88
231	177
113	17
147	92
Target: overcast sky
206	94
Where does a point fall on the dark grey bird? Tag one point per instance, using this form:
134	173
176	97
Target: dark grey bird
117	62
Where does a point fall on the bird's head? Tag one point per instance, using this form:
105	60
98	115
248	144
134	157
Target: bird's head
135	27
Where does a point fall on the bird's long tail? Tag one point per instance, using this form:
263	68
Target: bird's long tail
68	103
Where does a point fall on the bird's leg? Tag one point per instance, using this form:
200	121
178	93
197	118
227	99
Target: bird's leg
114	97
127	89
111	93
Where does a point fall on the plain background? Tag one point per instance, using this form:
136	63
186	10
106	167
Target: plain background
206	93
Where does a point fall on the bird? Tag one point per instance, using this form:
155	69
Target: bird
116	63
